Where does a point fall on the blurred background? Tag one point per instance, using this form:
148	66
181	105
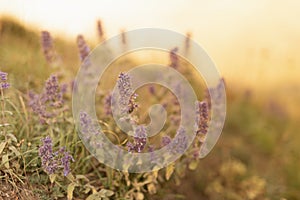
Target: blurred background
247	40
255	45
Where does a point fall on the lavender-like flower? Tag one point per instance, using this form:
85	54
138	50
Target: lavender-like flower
49	103
87	127
180	142
5	85
49	163
3	80
107	105
83	48
174	58
38	107
3	76
53	92
140	140
53	161
202	117
166	140
47	46
65	161
130	147
127	102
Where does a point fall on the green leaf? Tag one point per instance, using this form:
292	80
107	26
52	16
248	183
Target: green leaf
102	194
2	146
13	149
52	177
71	177
70	190
95	196
82	177
169	171
5	161
13	138
106	193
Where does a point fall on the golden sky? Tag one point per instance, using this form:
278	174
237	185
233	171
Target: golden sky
237	34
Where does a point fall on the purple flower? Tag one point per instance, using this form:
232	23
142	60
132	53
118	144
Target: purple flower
107	105
49	103
47	46
53	161
174	58
52	88
140	140
166	140
85	122
3	80
83	48
49	163
127	100
179	144
5	85
65	161
87	127
202	117
130	147
38	107
3	76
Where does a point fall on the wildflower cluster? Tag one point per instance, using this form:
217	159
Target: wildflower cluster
53	161
3	80
50	102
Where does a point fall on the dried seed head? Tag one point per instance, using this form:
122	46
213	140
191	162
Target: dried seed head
123	37
100	30
187	41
